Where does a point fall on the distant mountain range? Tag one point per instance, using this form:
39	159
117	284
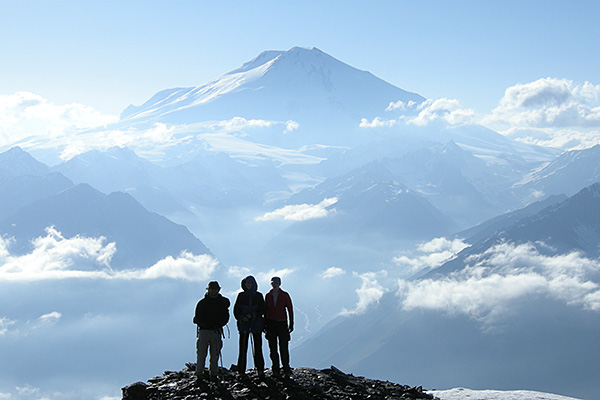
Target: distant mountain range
32	203
540	341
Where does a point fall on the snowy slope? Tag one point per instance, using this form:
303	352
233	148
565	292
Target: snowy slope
470	394
280	85
567	174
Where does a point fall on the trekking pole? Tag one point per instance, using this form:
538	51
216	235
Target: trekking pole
253	352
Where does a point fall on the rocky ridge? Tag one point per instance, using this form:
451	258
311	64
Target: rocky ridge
305	384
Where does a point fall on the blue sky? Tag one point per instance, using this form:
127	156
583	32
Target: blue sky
108	54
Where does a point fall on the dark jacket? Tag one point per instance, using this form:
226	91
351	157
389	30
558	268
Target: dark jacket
212	313
249	308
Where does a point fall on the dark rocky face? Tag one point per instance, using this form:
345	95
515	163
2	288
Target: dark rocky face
304	384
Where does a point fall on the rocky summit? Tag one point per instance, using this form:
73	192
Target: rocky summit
304	384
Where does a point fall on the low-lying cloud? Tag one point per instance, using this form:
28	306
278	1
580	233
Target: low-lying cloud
301	212
56	257
26	114
503	274
548	112
429	255
369	293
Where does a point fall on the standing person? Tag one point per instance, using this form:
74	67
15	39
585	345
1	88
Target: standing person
212	314
249	310
277	328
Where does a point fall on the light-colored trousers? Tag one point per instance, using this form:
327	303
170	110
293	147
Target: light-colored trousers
208	339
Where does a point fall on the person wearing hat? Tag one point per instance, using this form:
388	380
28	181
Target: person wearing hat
212	314
279	309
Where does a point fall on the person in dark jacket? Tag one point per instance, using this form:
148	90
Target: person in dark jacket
279	309
248	310
212	314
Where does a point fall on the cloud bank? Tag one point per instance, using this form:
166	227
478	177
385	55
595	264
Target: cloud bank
548	112
26	114
506	273
56	257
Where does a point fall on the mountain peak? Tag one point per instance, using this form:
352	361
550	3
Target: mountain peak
16	161
301	84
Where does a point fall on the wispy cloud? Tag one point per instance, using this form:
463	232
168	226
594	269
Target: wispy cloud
5	325
506	273
56	257
301	212
50	318
332	272
265	276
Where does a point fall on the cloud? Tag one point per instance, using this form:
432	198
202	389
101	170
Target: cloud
503	274
301	212
26	114
5	325
550	112
444	109
238	272
421	114
370	292
332	272
50	318
56	257
291	126
240	123
265	276
401	105
429	255
187	266
377	123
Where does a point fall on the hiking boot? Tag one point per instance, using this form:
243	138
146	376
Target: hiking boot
287	372
275	372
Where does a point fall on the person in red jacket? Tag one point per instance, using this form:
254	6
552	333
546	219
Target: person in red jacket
278	309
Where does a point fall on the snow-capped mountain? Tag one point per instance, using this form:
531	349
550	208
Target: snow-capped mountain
504	221
299	84
567	174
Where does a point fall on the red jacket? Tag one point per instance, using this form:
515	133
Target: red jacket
276	312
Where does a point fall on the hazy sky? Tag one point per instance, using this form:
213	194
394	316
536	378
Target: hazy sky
109	54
